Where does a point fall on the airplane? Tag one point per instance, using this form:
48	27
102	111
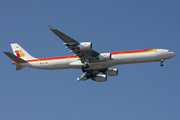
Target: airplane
94	65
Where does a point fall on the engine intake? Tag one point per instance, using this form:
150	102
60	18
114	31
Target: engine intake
85	46
104	56
100	78
111	72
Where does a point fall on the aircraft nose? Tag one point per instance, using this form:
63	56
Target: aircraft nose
173	54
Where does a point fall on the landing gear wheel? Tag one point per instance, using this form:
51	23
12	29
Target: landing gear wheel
88	71
161	64
89	75
85	67
83	70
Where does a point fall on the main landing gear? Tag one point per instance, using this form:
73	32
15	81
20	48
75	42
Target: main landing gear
161	62
86	70
85	66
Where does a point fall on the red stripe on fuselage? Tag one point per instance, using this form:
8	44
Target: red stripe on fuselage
54	58
72	57
129	52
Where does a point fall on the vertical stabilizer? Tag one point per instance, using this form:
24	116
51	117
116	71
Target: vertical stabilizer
20	52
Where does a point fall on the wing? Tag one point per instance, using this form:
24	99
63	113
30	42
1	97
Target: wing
61	35
84	55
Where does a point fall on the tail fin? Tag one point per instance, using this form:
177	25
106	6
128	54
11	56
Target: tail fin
20	52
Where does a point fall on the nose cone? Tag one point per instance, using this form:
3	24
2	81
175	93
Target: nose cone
173	54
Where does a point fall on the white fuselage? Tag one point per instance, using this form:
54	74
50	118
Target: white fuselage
141	56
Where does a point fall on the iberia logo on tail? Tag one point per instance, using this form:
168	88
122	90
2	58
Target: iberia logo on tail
19	53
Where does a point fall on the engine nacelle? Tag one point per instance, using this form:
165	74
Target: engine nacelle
111	72
100	78
104	56
85	46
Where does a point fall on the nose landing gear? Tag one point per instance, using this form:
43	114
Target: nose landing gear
161	62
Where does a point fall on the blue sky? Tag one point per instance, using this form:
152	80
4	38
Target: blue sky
140	92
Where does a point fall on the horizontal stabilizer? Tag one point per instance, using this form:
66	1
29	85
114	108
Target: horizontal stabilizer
15	58
19	67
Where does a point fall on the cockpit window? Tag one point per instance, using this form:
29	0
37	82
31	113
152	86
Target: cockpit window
169	51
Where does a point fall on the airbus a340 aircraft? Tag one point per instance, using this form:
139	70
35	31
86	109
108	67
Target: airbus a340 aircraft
94	65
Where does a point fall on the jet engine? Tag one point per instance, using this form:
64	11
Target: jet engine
100	78
111	72
104	56
83	46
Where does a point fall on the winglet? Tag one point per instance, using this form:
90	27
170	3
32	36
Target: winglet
50	27
15	58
